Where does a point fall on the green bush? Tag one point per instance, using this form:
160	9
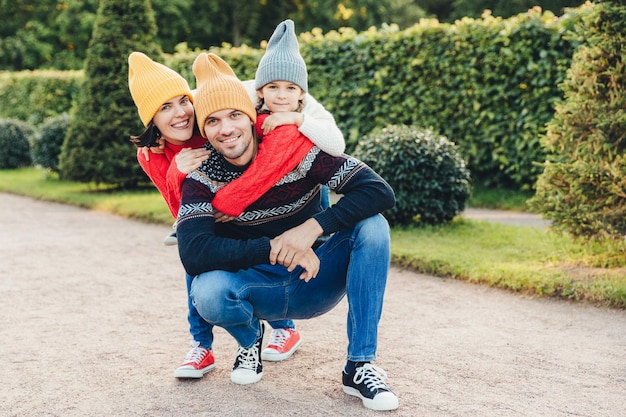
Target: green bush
490	83
47	142
583	186
33	96
15	144
425	170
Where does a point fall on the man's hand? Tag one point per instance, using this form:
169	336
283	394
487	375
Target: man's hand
293	248
274	120
189	159
221	217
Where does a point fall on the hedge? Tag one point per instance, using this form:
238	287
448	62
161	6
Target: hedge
491	84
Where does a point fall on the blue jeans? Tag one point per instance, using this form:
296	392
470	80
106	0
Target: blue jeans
202	331
353	262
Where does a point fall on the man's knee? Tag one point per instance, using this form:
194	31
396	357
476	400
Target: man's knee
374	229
208	296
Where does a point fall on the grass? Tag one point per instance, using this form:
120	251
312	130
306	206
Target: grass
526	260
499	199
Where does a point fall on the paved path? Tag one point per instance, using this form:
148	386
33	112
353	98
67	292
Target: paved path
92	323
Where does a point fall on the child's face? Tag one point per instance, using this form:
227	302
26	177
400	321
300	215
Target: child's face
281	96
175	120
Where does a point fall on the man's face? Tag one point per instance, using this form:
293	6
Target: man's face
230	133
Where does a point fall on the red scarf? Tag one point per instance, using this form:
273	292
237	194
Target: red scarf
280	151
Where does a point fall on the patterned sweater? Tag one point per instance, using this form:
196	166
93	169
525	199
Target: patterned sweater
205	245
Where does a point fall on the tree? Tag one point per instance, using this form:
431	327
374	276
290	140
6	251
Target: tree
97	147
507	8
45	33
583	186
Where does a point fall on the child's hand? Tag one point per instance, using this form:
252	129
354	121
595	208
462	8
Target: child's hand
274	120
159	149
189	159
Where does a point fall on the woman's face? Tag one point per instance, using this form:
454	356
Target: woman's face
175	120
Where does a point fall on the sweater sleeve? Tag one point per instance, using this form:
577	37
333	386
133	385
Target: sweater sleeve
319	126
200	248
364	194
174	182
156	169
280	151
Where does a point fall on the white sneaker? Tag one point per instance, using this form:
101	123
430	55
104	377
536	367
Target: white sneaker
248	367
171	240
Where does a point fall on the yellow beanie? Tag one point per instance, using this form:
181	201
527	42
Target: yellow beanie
218	88
151	84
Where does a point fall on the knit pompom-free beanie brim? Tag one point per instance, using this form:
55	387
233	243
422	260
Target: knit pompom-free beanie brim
218	88
282	60
151	84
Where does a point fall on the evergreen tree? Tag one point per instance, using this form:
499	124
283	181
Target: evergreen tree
97	146
583	185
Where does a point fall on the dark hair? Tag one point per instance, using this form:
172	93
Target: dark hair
152	134
149	136
261	110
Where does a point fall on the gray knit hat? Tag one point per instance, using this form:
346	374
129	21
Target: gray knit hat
282	60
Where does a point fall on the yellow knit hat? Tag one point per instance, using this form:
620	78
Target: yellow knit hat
151	84
218	88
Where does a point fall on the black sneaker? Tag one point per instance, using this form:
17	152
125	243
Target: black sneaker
171	240
368	383
248	367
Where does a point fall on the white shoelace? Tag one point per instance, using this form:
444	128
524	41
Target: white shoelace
196	354
373	377
248	358
278	338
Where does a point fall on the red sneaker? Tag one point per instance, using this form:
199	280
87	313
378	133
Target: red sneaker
198	362
282	344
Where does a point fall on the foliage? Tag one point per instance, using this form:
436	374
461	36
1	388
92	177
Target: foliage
33	96
45	33
508	199
47	142
491	84
38	34
583	186
425	170
505	8
14	142
97	146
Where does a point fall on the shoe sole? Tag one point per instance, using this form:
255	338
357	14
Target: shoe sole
245	380
277	357
170	242
192	373
388	404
